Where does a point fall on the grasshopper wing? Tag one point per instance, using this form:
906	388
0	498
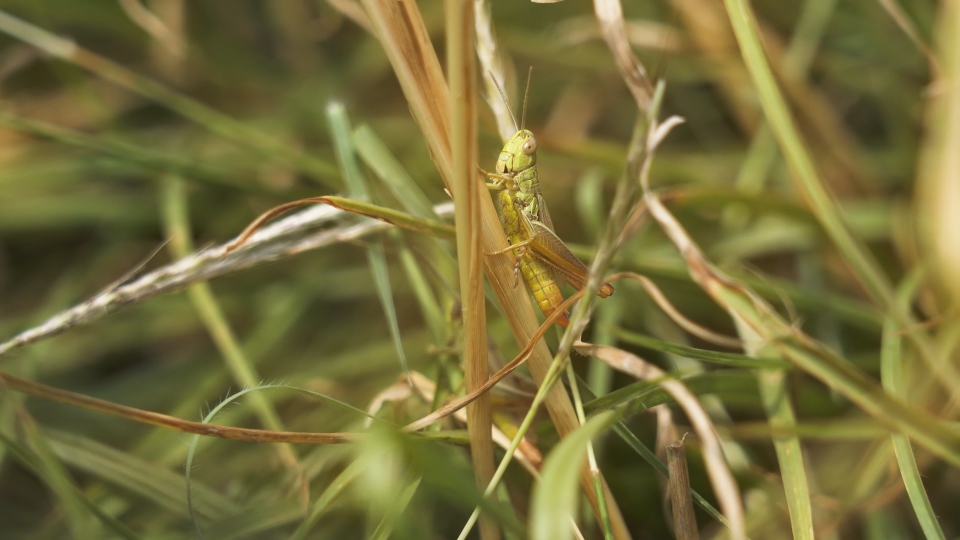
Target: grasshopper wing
548	247
544	214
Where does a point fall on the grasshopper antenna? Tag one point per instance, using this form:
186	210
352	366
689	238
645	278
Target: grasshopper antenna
526	94
505	100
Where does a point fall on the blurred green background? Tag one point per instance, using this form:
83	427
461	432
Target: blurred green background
87	167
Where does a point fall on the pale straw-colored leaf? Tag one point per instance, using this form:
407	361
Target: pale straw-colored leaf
938	187
492	73
610	16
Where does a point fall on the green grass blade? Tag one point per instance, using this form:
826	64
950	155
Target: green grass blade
892	376
381	279
716	357
329	495
773	389
775	396
429	306
376	154
554	501
776	400
395	177
133	474
798	157
177	225
385	529
376	256
838	373
78	508
824	207
435	228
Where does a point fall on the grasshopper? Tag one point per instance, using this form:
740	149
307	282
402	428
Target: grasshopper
540	254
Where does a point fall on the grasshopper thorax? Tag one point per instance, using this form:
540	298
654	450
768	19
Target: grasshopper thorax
519	154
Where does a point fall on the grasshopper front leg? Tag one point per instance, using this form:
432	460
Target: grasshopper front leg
500	181
523	247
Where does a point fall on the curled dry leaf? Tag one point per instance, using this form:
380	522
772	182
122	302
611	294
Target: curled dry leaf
610	16
724	485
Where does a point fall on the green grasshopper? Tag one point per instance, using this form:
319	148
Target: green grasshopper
540	254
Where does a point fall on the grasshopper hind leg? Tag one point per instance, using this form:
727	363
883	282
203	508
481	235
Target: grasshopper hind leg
516	266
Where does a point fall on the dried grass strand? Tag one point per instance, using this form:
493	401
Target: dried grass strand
610	16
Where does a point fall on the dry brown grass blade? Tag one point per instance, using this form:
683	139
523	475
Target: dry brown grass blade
400	29
684	522
171	40
461	69
724	485
17	384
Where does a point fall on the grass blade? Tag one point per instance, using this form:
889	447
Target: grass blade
892	374
376	256
177	225
555	497
811	185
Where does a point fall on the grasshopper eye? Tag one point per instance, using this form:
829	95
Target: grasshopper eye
529	146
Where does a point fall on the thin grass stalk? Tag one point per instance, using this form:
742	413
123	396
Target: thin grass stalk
892	373
808	32
903	21
400	29
461	68
591	455
774	393
176	223
821	203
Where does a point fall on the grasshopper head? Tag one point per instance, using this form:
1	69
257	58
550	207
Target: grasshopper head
520	153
